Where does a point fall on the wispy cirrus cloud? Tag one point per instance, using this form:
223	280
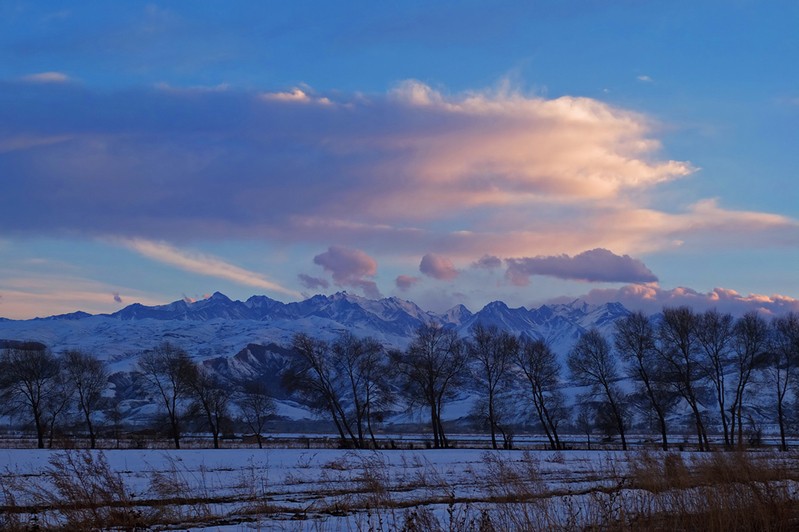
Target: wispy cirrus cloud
46	77
203	264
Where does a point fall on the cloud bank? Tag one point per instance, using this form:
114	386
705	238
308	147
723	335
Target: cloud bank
492	172
596	265
652	298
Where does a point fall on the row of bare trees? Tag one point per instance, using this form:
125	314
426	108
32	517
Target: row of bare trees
355	381
704	363
45	391
675	366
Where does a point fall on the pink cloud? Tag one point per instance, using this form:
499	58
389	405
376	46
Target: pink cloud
438	267
349	267
406	282
597	265
652	298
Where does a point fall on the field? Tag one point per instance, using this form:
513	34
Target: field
454	490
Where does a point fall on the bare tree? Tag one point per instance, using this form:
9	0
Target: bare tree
314	375
168	372
492	350
750	341
784	363
592	364
211	397
540	368
361	362
634	339
433	368
28	375
714	333
256	406
89	378
678	351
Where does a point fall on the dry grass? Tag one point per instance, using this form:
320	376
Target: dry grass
365	491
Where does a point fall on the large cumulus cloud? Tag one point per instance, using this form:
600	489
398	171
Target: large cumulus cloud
495	172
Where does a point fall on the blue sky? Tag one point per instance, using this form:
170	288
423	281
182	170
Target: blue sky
444	152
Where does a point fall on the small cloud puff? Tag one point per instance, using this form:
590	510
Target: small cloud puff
487	262
46	77
296	95
312	283
438	267
349	267
645	79
597	265
117	297
406	282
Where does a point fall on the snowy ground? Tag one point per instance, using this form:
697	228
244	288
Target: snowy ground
324	489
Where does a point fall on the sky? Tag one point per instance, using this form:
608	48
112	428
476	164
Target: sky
448	152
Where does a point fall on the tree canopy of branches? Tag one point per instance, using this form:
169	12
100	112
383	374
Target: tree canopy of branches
28	375
211	397
784	364
256	406
346	379
592	364
634	339
168	372
749	343
433	367
678	351
89	378
714	332
541	370
492	351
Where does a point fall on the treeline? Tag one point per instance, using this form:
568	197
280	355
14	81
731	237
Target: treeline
717	370
69	391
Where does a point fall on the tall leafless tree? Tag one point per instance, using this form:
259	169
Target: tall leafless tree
540	369
749	343
714	332
256	406
314	374
433	368
211	397
784	364
492	352
28	375
678	351
89	378
634	339
591	363
168	372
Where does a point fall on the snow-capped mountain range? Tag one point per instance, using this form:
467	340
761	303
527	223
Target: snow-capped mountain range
218	326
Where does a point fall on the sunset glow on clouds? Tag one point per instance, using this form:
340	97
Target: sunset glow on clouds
436	175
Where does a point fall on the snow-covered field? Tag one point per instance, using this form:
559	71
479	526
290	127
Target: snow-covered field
323	489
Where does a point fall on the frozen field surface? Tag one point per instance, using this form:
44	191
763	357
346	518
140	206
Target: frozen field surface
291	489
